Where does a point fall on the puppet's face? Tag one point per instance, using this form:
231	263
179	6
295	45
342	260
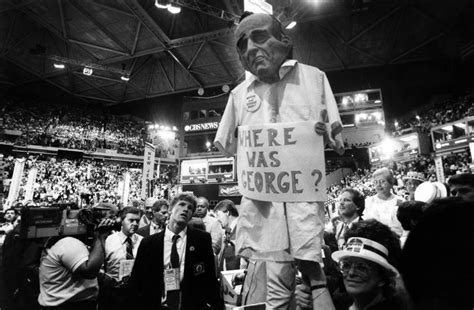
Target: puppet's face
261	47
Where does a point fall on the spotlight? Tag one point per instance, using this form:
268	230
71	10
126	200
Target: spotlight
59	66
174	9
87	71
125	78
161	4
291	25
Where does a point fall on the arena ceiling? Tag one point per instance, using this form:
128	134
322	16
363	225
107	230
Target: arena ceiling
164	53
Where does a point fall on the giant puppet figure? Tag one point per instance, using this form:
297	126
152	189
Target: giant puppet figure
281	90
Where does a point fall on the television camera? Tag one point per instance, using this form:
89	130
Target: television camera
60	220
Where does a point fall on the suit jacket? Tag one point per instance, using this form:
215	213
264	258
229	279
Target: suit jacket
144	231
199	287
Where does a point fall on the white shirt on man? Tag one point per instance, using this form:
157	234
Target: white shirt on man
116	251
213	227
180	247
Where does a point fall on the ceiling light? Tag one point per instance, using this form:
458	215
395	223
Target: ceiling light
59	66
87	71
291	25
161	4
125	78
174	9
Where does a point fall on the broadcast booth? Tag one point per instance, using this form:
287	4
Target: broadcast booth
451	138
399	149
202	169
213	178
362	116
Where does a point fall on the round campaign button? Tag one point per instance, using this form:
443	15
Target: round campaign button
252	103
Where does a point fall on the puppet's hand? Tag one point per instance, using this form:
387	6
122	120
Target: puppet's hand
321	129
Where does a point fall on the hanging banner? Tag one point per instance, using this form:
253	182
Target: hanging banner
126	189
148	165
29	189
281	162
16	181
439	169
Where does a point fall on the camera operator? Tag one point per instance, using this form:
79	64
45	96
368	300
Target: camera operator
68	271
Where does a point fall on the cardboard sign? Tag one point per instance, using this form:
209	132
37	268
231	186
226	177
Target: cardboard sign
281	162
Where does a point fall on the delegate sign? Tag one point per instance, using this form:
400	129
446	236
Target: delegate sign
281	162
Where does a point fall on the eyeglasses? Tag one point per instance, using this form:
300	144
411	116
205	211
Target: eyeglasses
380	182
361	268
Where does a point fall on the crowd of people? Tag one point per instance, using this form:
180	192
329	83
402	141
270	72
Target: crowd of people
360	179
374	238
75	127
85	182
383	244
437	113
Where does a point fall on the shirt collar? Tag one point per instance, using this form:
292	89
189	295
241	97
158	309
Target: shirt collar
284	69
169	234
123	237
233	224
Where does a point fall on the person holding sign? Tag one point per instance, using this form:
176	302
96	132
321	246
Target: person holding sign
287	98
174	269
120	250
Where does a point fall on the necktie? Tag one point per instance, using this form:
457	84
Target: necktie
174	258
129	248
173	297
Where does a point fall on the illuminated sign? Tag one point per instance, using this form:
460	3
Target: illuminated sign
201	127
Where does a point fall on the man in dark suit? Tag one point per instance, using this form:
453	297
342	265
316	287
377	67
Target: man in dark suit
158	222
175	269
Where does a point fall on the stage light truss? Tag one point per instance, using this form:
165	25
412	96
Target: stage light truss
60	59
207	9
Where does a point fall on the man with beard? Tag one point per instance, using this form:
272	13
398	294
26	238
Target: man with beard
280	90
120	251
175	268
